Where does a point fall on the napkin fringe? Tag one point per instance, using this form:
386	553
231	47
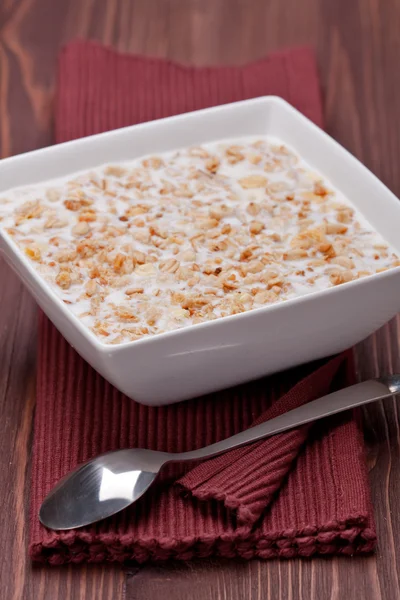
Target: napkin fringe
339	539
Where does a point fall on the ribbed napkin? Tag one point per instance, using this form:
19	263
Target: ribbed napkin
300	493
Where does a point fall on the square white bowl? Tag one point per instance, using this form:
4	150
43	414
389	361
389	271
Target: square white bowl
198	359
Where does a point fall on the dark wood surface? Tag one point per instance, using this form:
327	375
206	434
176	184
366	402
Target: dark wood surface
358	46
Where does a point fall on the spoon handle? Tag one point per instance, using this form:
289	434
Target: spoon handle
347	398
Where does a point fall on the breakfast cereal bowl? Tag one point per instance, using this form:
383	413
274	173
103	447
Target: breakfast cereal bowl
194	253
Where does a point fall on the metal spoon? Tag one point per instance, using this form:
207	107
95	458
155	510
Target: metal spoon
109	483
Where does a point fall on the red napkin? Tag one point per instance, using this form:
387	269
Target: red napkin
300	493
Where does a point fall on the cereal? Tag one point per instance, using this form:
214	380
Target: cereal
256	227
253	181
80	229
163	242
212	165
33	252
63	279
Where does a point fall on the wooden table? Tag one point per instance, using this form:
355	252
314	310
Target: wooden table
358	46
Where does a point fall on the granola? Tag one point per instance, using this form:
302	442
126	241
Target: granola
162	242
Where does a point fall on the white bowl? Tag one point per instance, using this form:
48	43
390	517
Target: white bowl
203	358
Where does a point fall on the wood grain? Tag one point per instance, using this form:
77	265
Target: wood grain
358	45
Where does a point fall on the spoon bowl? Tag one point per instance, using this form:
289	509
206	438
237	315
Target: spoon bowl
100	488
